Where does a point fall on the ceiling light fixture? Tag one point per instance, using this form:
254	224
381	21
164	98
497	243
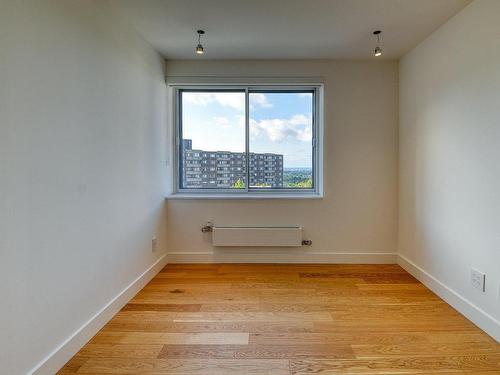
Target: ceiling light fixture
199	47
377	51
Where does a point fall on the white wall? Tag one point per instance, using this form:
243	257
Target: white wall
82	151
450	152
357	219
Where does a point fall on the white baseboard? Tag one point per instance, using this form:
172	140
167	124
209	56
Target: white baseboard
61	355
472	312
282	257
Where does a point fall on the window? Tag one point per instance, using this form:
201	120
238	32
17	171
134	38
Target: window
246	140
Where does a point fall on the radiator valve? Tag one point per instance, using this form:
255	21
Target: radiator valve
307	242
208	227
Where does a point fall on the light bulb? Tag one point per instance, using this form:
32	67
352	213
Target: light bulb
378	51
199	48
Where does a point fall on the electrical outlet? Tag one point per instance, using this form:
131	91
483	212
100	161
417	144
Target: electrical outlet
154	243
477	279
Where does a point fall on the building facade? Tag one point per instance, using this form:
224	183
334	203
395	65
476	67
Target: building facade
225	170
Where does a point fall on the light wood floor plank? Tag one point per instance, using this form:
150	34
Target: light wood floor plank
253	316
338	338
406	365
424	350
121	350
256	351
191	307
185	367
188	338
265	307
253	327
253	319
73	365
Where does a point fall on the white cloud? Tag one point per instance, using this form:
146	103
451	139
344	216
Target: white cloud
217	133
233	100
258	99
222	121
226	99
297	127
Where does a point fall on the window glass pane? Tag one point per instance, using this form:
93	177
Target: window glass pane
281	127
212	154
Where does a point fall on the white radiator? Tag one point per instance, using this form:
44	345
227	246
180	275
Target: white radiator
257	236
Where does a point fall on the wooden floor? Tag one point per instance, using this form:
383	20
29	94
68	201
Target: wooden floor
287	319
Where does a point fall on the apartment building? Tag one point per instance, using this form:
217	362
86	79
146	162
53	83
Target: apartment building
225	169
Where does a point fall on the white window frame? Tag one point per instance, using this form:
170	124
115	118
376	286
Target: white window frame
250	193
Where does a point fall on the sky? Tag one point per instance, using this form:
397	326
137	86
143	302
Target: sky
280	123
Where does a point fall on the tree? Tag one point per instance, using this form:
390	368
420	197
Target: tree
239	184
300	184
305	184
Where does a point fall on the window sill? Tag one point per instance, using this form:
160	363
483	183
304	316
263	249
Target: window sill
222	196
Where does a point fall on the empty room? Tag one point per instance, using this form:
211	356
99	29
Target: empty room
250	187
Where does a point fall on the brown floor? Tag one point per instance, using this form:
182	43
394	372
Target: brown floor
287	319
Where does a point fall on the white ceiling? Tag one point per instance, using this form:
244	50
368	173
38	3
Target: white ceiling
286	29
